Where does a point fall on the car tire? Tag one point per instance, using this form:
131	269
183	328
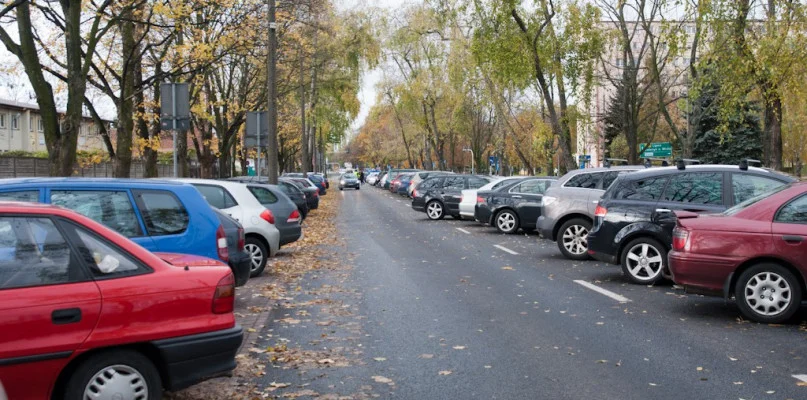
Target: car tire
340	188
357	188
778	290
259	255
644	261
118	370
506	221
572	241
435	210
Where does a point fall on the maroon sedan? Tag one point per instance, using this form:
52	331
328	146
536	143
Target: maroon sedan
755	251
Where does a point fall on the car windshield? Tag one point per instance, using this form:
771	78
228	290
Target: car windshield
742	206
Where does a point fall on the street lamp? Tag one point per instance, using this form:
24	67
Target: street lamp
468	149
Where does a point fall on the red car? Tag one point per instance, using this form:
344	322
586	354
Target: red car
755	251
87	313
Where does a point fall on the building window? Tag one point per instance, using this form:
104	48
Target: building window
15	122
2	120
620	62
39	124
690	29
31	123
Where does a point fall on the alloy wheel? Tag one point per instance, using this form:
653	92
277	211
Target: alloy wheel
574	239
434	210
255	255
117	381
506	222
644	262
767	293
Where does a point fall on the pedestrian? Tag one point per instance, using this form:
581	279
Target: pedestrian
361	176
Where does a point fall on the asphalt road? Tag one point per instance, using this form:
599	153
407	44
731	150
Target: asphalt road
458	311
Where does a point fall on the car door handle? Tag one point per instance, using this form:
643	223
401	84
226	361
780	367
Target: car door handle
663	210
517	197
65	316
793	238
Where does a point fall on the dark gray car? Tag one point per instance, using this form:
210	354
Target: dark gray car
349	180
240	260
287	217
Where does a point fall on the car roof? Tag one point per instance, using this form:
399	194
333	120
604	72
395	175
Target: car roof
705	168
91	182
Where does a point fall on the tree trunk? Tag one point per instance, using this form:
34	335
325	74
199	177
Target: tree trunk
306	157
125	126
772	141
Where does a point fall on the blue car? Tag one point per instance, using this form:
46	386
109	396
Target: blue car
161	216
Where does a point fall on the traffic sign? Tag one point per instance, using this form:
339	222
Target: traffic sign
661	149
492	160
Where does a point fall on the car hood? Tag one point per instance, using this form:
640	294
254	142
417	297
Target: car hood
190	260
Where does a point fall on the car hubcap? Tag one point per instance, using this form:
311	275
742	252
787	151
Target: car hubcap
117	382
506	221
644	261
574	239
255	255
435	210
767	293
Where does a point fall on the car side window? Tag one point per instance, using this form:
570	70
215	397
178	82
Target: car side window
533	186
263	195
31	196
476	183
162	212
108	207
696	188
645	189
430	183
746	186
584	180
34	253
216	196
794	212
454	183
104	259
611	176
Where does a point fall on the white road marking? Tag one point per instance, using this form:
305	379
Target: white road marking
802	377
463	231
621	299
505	249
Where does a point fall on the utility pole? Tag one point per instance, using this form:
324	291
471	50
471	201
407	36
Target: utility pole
271	94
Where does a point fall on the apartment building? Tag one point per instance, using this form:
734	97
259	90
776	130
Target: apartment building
21	129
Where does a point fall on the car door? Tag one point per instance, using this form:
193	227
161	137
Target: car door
452	193
789	230
700	192
50	305
526	200
166	220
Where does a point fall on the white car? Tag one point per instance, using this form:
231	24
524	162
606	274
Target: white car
468	200
372	178
235	199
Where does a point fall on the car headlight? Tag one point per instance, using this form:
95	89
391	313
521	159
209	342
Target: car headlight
547	200
342	182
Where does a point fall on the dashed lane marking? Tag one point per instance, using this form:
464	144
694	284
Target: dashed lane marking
505	249
608	293
463	231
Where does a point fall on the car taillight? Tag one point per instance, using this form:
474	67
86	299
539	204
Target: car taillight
221	244
680	238
294	217
600	211
414	193
316	194
224	296
480	199
241	239
267	216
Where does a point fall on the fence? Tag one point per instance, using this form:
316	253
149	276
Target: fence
26	167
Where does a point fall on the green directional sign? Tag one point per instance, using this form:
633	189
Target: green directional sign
662	149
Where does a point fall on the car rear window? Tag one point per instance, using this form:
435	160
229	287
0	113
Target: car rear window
584	180
163	213
532	186
646	189
216	196
747	186
263	195
476	183
109	207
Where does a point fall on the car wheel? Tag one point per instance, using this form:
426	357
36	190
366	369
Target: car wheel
507	221
644	260
357	187
768	293
340	188
257	253
434	210
115	374
572	239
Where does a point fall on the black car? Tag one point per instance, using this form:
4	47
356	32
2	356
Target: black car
239	260
291	190
439	196
349	180
514	205
311	192
633	222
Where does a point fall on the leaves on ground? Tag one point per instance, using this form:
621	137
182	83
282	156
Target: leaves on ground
383	379
444	373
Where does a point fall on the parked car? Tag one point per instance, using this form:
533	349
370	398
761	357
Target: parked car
419	176
439	196
239	260
349	181
382	180
324	179
236	200
158	215
567	208
634	220
371	178
287	217
310	190
319	183
468	198
294	193
393	173
753	251
87	313
514	205
404	182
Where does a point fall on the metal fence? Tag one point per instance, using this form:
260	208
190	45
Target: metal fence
27	167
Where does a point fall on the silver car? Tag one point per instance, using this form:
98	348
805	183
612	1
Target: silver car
567	208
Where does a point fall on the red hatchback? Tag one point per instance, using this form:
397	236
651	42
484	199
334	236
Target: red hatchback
87	313
755	251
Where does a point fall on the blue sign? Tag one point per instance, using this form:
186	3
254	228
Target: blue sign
493	160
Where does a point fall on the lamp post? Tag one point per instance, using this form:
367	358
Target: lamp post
468	149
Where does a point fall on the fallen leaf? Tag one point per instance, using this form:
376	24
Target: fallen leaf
489	367
653	384
738	383
444	373
602	361
770	392
507	268
380	359
383	379
325	361
459	347
699	368
279	385
427	356
732	359
801	383
251	330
